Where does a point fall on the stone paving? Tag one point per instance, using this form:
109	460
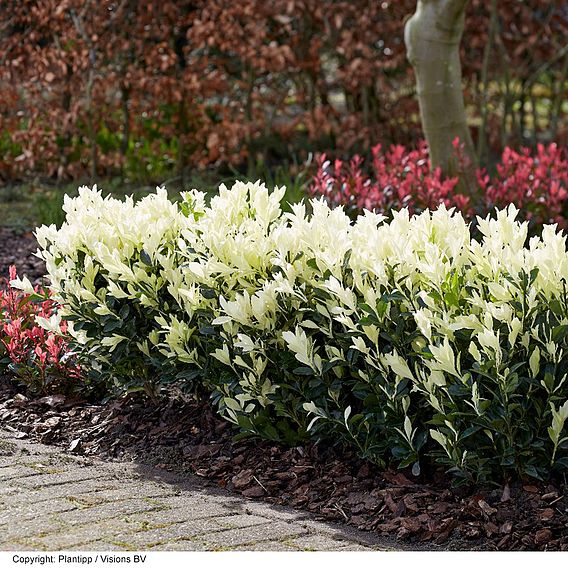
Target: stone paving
50	500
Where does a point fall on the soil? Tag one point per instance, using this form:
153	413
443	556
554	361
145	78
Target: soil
179	433
17	248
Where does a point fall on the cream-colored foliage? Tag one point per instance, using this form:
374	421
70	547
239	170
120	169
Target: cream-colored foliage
272	281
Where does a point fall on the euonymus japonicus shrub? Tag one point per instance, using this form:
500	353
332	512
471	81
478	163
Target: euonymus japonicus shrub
407	339
110	263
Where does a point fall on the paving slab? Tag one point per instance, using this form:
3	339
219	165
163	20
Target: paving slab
51	500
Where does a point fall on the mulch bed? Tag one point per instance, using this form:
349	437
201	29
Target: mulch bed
180	434
17	249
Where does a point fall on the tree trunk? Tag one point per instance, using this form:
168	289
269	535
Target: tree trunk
432	36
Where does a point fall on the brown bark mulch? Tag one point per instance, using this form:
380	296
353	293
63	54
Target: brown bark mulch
180	434
17	248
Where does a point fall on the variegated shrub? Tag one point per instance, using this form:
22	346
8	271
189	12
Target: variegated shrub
406	338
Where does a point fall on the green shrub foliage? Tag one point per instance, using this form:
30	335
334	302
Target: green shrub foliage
407	339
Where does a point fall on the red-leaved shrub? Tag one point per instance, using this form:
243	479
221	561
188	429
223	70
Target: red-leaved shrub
39	358
537	184
399	178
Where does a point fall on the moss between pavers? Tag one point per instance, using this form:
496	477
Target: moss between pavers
25	545
82	539
325	542
153	501
82	503
123	545
63	459
260	545
233	521
53	525
153	544
88	501
7	448
106	511
42	468
59	527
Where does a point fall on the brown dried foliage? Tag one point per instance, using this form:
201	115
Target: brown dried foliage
95	87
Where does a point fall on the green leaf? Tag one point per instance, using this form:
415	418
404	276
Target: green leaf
559	333
188	375
420	440
381	308
562	463
399	452
145	258
303	371
207	330
312	263
346	260
532	471
208	293
556	307
452	299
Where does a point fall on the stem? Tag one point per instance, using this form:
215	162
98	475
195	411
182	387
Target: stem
125	92
505	64
182	128
251	158
534	118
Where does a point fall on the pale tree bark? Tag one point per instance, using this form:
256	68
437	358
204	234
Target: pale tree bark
432	36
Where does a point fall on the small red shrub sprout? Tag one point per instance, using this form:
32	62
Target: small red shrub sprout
38	355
